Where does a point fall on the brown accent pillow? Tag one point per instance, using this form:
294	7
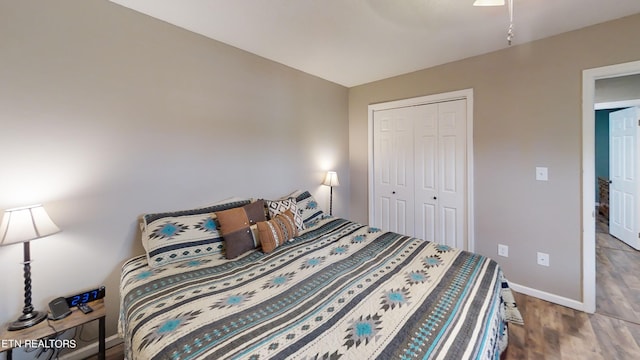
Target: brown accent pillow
277	231
235	226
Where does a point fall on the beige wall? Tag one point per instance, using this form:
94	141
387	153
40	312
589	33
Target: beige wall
106	114
618	89
527	113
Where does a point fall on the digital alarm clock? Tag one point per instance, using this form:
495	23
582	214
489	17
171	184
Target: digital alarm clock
86	297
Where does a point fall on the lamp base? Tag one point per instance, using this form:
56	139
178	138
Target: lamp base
27	320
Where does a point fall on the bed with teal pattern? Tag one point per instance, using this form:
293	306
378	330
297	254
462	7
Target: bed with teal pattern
340	290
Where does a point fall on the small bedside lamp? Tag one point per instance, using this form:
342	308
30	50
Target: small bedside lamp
331	180
21	225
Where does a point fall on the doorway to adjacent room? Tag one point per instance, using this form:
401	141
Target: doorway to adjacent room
589	247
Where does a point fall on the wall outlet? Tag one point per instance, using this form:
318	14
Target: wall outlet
543	259
503	250
542	173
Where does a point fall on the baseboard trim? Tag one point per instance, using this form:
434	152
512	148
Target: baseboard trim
556	299
91	349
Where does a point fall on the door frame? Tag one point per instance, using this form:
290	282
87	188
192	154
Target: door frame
589	77
465	94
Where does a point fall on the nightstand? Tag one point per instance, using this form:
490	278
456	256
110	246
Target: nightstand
12	339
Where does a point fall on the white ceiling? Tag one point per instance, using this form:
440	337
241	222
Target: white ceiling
352	42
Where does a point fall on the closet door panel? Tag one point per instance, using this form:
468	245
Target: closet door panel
426	171
394	170
401	213
448	168
449	219
383	210
403	153
426	222
452	139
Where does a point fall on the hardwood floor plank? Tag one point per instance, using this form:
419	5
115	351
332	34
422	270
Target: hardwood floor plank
580	335
616	337
617	280
635	333
551	339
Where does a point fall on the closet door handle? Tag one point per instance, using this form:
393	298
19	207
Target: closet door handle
435	198
393	192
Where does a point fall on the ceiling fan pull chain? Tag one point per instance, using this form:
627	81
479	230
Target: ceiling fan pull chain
510	32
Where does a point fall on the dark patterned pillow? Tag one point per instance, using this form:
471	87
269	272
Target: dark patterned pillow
280	206
277	231
180	235
235	226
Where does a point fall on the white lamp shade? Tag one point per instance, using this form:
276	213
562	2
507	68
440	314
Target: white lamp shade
331	179
488	3
25	224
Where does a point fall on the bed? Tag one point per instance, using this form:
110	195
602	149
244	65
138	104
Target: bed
337	290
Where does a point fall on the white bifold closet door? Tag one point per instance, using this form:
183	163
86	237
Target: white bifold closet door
420	171
394	174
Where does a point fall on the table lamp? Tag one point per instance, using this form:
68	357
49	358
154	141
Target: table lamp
21	225
331	180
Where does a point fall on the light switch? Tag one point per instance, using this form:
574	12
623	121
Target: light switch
542	173
503	250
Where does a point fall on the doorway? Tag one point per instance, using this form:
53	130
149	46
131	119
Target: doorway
617	261
616	158
589	78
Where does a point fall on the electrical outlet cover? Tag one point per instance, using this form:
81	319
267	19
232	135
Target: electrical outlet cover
542	173
543	259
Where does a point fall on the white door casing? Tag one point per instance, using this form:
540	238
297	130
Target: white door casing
623	173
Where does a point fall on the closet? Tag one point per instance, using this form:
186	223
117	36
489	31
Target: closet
420	170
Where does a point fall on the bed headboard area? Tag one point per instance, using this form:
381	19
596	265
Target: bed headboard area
227	228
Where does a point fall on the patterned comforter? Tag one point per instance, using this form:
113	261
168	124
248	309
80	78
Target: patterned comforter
339	290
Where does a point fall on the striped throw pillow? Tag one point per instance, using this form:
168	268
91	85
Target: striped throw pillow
277	231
